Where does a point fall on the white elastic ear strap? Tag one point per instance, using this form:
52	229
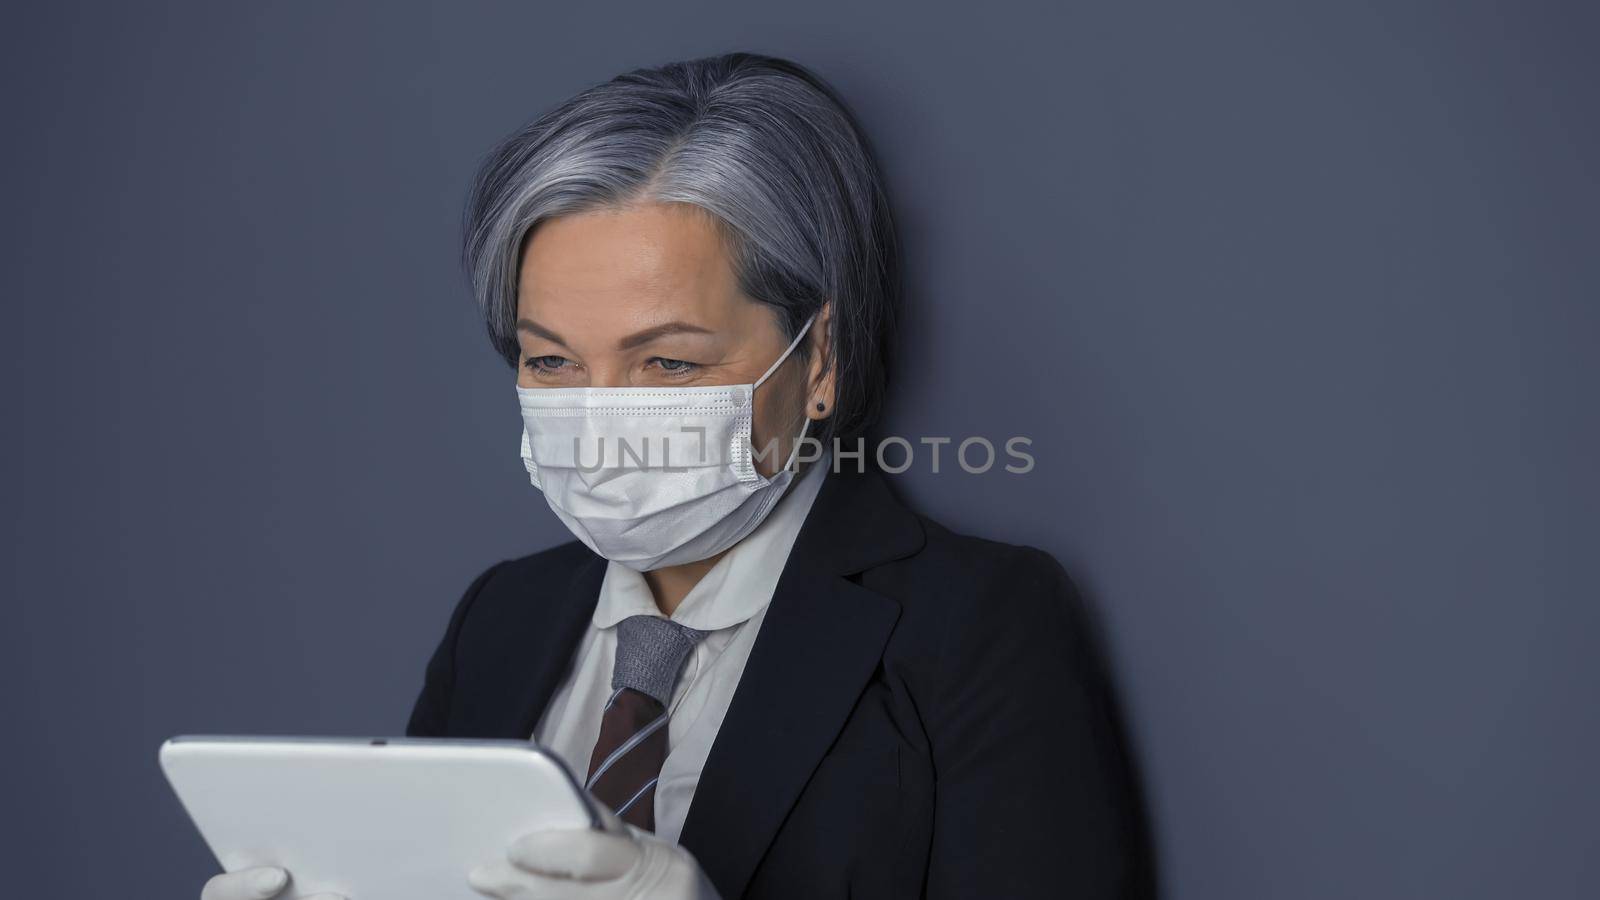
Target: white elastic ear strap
794	452
804	330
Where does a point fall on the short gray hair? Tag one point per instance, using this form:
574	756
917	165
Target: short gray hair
763	145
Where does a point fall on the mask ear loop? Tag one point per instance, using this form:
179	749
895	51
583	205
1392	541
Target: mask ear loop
804	330
794	452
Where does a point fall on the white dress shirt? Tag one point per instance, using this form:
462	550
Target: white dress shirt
730	603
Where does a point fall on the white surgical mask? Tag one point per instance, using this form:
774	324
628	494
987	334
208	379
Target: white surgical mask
652	476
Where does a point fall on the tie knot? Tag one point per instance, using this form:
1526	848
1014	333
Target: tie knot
650	654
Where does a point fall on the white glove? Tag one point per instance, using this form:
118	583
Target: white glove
258	883
620	863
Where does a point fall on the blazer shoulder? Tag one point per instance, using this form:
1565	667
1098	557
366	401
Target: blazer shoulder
489	626
957	567
966	601
509	586
543	566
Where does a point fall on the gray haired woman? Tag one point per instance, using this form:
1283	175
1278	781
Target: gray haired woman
779	680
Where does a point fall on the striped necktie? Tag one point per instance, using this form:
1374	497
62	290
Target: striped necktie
632	744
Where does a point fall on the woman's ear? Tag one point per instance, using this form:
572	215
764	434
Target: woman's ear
820	378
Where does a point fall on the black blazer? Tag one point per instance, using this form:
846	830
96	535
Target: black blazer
922	714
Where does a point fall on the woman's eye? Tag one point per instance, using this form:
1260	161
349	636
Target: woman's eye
545	364
675	366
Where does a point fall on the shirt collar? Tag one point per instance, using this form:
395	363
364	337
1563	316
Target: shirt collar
739	585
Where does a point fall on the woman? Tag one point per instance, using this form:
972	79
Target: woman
779	680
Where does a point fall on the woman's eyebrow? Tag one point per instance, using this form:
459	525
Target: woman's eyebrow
537	330
639	338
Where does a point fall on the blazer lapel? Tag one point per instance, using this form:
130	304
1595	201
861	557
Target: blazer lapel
822	639
536	650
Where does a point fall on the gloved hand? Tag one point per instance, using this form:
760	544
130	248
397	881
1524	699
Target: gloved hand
620	863
258	883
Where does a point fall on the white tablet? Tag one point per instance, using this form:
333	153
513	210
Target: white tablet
370	818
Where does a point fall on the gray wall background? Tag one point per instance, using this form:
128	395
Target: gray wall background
1296	301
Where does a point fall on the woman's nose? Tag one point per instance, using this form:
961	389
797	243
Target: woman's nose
602	376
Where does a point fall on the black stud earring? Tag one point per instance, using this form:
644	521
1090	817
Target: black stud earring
820	407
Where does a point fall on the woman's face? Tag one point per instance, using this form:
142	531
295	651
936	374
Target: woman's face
646	296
